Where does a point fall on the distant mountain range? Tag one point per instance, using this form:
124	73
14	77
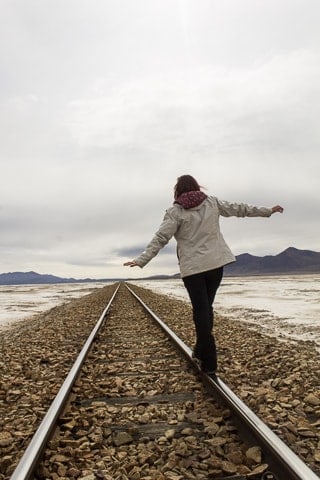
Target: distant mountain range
290	261
22	278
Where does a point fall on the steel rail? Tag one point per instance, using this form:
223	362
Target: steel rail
289	463
28	461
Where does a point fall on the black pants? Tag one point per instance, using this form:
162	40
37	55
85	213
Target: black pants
202	288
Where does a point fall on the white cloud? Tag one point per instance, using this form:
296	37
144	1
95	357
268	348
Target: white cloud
208	109
104	103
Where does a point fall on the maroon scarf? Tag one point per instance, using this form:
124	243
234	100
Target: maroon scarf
191	199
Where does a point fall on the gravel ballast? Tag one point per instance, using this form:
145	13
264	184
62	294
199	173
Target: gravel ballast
278	380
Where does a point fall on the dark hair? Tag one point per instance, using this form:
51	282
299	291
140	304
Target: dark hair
185	183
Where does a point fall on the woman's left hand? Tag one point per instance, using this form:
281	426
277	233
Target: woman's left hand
277	208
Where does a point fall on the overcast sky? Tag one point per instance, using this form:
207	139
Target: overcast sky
104	103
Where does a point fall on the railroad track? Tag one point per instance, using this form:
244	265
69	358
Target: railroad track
135	406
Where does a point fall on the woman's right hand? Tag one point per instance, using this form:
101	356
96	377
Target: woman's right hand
132	263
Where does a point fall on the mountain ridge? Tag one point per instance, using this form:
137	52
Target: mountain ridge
290	261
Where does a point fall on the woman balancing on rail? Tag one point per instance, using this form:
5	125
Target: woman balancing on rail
202	252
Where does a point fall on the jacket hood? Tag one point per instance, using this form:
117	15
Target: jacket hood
191	199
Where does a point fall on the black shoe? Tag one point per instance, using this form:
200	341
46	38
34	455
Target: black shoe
196	360
209	371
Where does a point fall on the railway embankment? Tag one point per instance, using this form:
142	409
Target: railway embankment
279	380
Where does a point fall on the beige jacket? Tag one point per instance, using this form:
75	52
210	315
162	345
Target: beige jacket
200	244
